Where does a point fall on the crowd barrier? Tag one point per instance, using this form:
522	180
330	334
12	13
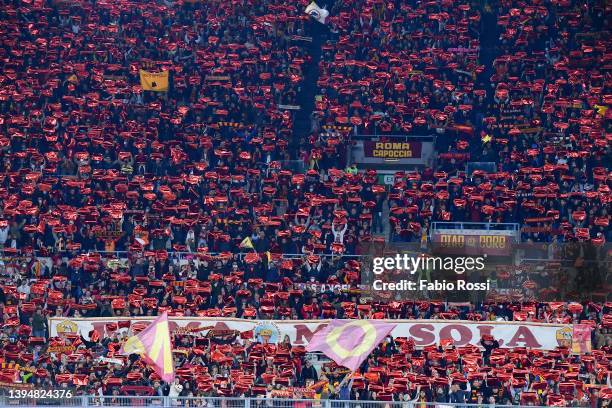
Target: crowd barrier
218	402
395	138
173	255
485	226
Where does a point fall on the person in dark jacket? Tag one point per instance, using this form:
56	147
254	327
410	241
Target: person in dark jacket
489	344
308	373
457	395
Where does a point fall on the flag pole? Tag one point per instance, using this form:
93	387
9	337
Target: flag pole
344	380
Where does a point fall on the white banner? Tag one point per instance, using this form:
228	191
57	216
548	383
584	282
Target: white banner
316	12
540	336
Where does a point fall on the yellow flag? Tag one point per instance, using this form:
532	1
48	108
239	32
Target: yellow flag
601	110
246	243
486	138
154	81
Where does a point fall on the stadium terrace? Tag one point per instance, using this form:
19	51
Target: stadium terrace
193	195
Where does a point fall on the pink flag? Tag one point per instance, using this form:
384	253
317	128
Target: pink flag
154	346
349	342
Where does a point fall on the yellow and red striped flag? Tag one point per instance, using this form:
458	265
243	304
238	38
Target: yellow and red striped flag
349	342
154	346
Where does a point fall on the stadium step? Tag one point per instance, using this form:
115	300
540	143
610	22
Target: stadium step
489	42
306	96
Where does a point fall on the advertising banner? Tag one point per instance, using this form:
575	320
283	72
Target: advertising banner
540	336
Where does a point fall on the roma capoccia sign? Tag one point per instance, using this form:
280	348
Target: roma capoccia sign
392	150
541	336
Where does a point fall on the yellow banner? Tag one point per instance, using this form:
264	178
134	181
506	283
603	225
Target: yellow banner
154	81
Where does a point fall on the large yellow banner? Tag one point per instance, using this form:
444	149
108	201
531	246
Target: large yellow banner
154	81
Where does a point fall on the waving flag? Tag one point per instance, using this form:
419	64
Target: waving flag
316	12
154	81
246	243
349	342
153	345
601	109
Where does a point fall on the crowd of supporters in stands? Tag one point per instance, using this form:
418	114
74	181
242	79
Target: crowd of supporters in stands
92	163
231	363
404	68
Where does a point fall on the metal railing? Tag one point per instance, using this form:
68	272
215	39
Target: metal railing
395	138
489	226
296	166
179	255
217	402
488	167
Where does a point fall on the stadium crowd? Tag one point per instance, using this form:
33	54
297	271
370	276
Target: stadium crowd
231	363
92	163
539	112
